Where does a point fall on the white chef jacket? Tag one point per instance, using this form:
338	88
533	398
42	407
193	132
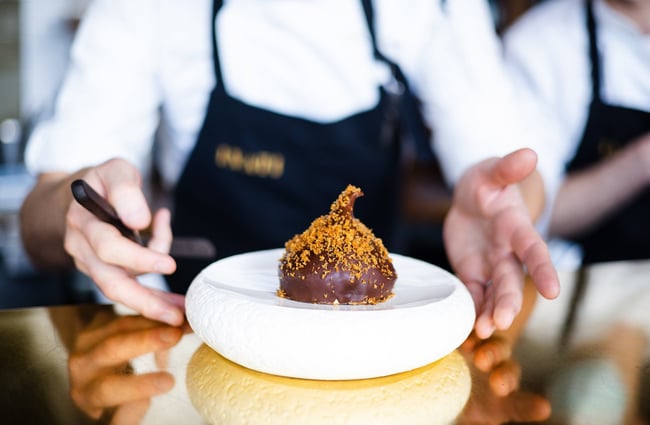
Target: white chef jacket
548	49
142	71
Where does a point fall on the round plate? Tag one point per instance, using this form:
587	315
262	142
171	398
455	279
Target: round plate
233	307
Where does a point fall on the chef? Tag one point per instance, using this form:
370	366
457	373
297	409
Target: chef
589	61
263	112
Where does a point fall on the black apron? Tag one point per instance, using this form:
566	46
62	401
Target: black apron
625	235
255	177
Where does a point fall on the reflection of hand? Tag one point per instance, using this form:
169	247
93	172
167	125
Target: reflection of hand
496	397
113	261
101	379
490	237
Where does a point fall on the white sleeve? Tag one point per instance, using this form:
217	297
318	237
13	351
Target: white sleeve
542	52
466	95
108	104
474	107
452	57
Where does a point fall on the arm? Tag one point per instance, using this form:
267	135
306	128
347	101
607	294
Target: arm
489	231
57	232
108	107
588	196
42	234
490	237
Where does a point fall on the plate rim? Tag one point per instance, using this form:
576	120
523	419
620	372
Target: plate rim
270	339
452	282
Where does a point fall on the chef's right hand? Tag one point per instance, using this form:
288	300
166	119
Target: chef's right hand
112	261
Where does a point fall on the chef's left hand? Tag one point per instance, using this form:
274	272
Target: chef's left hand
490	238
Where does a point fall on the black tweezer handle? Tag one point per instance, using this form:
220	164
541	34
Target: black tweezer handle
96	204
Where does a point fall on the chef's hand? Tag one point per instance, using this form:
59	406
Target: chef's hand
496	398
112	261
490	238
102	383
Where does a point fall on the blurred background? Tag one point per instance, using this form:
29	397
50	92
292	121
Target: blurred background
35	37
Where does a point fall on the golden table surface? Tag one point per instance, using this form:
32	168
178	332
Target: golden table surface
58	364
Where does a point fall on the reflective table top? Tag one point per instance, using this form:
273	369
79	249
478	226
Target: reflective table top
584	354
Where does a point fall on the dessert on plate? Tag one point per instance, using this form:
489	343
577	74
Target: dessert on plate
337	260
329	306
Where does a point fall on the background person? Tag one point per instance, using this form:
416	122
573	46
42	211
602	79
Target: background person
588	62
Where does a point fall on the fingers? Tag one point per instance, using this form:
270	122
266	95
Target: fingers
113	351
494	356
116	390
98	367
177	300
528	407
130	413
534	254
492	352
527	244
476	290
113	249
118	285
121	348
504	378
503	299
151	303
161	239
508	292
484	326
121	183
88	237
106	324
496	396
113	261
513	167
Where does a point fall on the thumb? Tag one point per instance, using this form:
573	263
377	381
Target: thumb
123	185
161	238
513	167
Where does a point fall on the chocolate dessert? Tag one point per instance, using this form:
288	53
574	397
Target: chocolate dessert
337	260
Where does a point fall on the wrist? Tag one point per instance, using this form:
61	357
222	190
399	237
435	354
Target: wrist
637	160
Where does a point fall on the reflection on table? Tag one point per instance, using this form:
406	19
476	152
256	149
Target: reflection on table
588	350
98	364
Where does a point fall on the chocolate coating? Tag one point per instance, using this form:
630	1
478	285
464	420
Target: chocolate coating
337	260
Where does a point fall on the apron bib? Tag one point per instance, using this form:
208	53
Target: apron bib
255	177
625	235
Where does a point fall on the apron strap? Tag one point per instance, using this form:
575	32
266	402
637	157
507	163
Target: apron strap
215	47
395	70
408	104
594	54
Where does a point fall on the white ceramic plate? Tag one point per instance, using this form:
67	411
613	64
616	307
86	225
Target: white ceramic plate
233	307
